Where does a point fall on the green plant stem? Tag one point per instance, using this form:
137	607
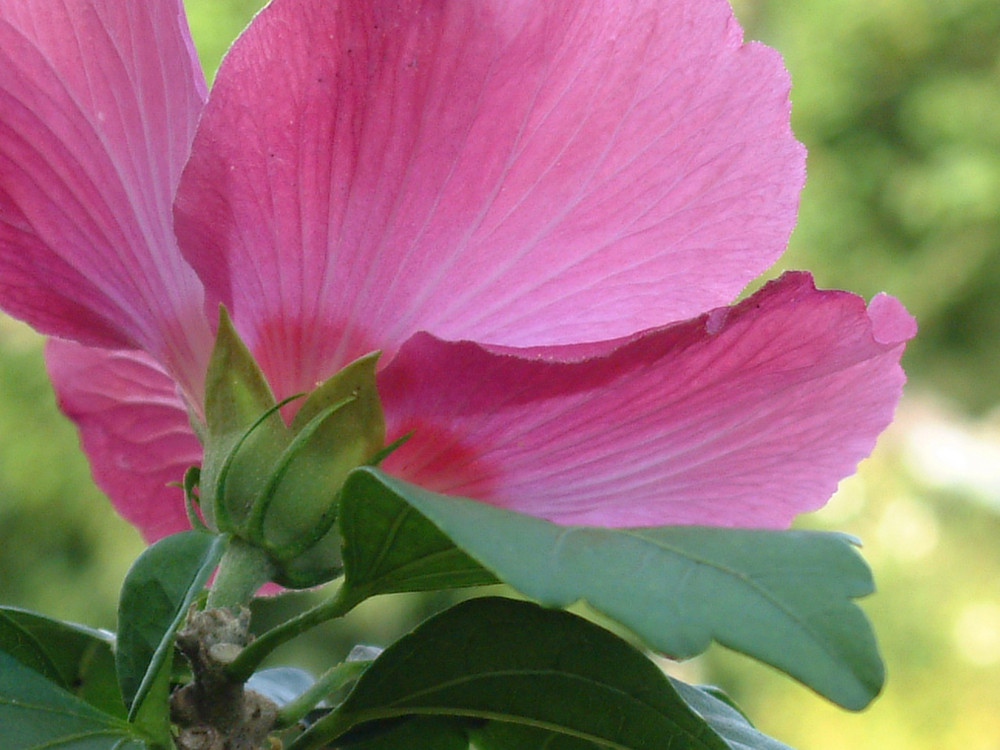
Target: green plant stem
330	681
243	569
251	657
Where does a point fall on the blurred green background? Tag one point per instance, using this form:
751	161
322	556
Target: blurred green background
898	102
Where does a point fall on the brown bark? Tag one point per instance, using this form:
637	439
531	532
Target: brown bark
214	712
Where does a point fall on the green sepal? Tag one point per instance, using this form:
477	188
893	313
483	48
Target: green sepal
315	566
384	453
338	428
236	396
192	477
239	502
236	391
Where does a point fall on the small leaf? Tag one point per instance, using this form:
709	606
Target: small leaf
784	597
158	589
726	720
78	659
720	695
513	661
151	712
281	684
720	714
36	714
389	547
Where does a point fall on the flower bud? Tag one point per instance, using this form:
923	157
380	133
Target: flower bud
276	485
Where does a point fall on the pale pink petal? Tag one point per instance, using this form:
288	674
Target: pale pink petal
98	104
744	416
509	171
133	427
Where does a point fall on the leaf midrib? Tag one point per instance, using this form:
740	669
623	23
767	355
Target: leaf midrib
500	674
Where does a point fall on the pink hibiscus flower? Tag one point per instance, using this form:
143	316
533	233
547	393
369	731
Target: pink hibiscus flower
515	201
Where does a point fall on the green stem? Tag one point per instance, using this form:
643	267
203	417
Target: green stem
333	679
254	653
243	569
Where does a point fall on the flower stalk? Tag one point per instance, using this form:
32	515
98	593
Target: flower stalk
254	654
244	568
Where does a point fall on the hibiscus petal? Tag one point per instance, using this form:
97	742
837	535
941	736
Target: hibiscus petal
98	104
133	427
507	171
744	416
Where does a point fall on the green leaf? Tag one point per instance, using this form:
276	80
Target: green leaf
725	719
720	695
78	659
784	597
418	733
36	714
497	735
513	661
389	547
158	590
151	712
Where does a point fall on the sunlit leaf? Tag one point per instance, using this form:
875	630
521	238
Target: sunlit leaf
389	547
725	719
784	597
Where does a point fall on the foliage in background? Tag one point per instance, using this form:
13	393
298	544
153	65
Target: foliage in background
898	102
